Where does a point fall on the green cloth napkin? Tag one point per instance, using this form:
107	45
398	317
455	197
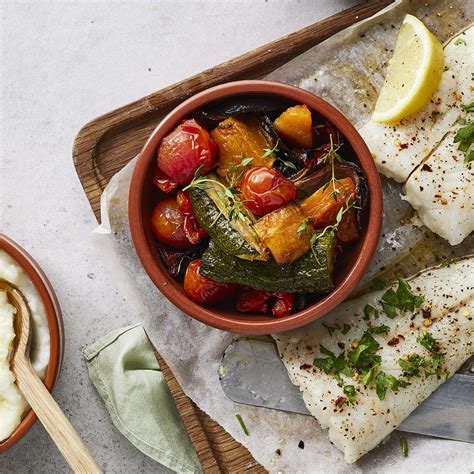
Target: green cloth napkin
125	372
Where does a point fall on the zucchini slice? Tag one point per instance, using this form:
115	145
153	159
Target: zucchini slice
307	274
215	223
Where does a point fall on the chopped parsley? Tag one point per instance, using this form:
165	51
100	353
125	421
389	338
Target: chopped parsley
337	327
350	392
242	424
465	138
402	299
468	107
412	365
460	41
370	312
383	382
416	365
382	329
404	446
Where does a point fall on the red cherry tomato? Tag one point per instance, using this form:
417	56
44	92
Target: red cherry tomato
194	232
259	301
167	224
162	181
184	150
266	190
202	290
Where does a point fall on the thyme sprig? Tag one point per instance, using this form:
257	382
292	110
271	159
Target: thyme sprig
275	150
333	156
228	194
331	229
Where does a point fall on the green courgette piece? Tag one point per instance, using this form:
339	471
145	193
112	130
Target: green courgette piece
218	227
307	274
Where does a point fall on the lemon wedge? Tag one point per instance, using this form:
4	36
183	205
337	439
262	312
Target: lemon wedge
413	73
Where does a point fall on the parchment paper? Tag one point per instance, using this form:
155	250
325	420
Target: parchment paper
336	70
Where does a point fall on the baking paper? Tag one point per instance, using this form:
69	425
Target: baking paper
347	70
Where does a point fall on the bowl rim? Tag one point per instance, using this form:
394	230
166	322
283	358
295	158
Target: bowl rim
55	324
163	281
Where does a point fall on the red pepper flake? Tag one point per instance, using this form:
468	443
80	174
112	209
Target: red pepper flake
340	401
394	341
305	366
403	146
426	167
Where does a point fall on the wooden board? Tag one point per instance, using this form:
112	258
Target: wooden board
106	144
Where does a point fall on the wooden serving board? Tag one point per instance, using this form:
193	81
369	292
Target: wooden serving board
106	144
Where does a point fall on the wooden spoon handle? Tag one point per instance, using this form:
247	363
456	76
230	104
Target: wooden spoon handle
53	419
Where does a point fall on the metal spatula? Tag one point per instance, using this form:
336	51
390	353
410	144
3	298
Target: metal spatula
252	373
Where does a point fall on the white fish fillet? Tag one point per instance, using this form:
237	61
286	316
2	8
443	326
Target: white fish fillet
359	427
442	191
400	148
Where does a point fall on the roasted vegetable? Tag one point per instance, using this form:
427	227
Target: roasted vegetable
265	189
187	148
322	206
348	229
257	301
238	138
307	274
194	232
202	290
177	261
167	224
162	181
214	222
244	105
286	233
295	124
311	182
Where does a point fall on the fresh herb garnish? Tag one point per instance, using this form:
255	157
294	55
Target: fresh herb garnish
242	424
228	194
412	365
383	382
303	228
416	365
402	299
468	107
465	138
350	392
364	355
270	151
337	327
333	156
370	312
382	329
331	229
404	446
460	41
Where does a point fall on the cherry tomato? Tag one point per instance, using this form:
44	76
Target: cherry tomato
259	301
266	190
194	232
167	224
202	290
162	181
184	150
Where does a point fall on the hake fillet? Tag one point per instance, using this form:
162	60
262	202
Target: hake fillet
359	427
442	192
398	149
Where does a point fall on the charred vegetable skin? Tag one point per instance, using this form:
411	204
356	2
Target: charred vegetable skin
303	275
217	226
257	301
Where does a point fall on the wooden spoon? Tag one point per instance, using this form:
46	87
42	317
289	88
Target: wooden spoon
38	396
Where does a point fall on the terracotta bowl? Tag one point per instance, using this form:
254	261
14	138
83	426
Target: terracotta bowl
55	322
144	195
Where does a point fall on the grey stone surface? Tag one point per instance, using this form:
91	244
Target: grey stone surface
63	63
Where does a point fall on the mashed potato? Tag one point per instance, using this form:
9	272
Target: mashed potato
12	405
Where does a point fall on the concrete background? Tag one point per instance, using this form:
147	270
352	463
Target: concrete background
63	63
